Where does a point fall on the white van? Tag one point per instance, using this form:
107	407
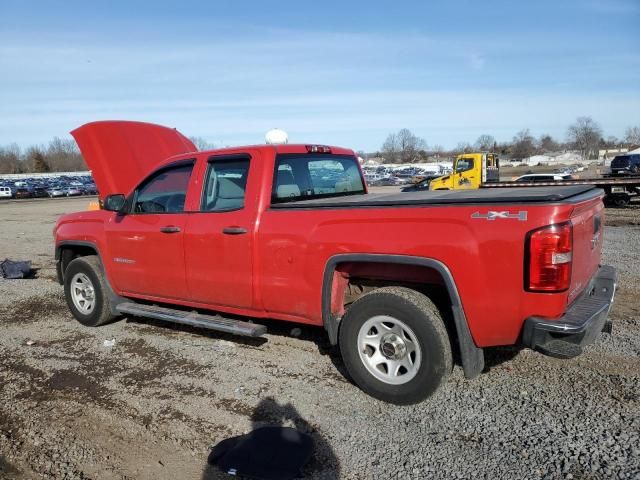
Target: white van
5	192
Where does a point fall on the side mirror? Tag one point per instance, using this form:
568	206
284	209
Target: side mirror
114	203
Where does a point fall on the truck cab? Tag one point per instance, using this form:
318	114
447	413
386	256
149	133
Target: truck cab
470	170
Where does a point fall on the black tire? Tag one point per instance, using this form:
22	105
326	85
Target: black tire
621	200
420	314
91	267
635	169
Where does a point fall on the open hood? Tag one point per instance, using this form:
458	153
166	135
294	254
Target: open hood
121	153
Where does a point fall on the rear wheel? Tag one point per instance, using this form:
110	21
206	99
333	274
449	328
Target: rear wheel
86	291
621	200
395	345
635	169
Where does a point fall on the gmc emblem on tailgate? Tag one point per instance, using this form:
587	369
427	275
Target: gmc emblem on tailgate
597	224
492	215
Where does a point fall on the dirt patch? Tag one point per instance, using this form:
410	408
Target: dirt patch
620	217
66	343
7	470
80	386
627	302
33	310
161	362
48	274
234	406
23	369
69	385
158	364
622	222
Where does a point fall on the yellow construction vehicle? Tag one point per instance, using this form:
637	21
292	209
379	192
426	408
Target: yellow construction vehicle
470	170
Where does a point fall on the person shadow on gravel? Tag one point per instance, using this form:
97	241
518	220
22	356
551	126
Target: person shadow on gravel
323	463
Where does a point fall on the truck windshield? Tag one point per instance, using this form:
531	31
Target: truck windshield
305	177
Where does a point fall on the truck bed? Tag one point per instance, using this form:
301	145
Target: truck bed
560	194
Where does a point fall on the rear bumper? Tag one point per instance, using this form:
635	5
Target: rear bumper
564	337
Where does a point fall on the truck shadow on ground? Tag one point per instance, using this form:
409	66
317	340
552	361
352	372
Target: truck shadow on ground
284	330
494	356
323	462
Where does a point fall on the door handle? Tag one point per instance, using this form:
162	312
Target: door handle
170	229
234	230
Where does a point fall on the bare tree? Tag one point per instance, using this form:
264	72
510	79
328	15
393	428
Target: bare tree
546	143
39	164
485	142
463	147
10	159
403	147
584	135
523	144
437	150
62	155
632	136
201	144
610	142
59	155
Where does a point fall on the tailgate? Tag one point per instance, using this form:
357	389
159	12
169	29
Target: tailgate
588	228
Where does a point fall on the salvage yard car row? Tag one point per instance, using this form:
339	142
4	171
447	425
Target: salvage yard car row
60	186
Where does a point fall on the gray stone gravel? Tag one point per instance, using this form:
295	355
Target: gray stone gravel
151	406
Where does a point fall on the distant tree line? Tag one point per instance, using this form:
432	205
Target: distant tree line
60	155
584	136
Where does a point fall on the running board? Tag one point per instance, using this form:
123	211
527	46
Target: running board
211	322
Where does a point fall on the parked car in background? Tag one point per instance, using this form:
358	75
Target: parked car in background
5	192
40	192
23	193
626	164
388	182
89	189
72	191
422	185
56	192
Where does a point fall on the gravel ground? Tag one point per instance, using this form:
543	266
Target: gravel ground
151	406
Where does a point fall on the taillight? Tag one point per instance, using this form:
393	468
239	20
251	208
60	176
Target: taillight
548	258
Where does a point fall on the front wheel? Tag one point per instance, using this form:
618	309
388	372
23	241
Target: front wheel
395	345
86	291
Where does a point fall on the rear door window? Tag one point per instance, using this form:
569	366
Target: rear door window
225	184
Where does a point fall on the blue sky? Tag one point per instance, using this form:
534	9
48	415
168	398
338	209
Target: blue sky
337	72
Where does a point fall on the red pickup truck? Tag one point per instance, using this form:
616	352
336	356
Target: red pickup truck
401	282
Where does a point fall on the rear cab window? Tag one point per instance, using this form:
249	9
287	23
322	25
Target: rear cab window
311	176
